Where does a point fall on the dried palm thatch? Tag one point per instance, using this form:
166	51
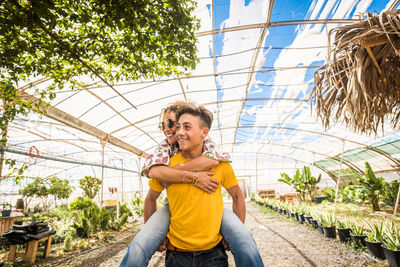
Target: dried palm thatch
360	85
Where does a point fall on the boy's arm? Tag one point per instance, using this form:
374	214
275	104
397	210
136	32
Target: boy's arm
238	204
150	204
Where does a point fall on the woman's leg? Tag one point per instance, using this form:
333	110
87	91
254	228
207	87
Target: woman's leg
240	240
148	240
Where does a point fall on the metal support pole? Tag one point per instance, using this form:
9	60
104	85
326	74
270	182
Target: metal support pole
338	179
397	202
4	139
256	172
140	176
122	180
103	144
1	163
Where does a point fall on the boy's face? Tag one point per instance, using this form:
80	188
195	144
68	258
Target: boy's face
189	132
170	127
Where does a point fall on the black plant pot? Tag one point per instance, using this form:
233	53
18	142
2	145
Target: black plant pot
301	218
329	232
320	227
359	240
344	234
319	199
5	213
375	249
293	215
307	219
314	223
392	256
80	232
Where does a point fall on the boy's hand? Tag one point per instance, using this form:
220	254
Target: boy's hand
226	246
163	245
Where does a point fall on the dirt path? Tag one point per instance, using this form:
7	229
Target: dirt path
282	242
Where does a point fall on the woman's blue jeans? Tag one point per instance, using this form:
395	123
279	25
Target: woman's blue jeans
153	232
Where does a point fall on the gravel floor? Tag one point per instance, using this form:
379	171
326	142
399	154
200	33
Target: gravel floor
283	242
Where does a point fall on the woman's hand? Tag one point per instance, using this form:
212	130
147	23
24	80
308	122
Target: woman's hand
206	183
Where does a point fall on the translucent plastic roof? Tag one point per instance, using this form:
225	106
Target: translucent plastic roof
256	70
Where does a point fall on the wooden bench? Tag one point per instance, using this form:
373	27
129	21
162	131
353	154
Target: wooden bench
267	193
290	197
31	250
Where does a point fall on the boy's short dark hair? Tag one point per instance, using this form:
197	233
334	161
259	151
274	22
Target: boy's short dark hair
206	117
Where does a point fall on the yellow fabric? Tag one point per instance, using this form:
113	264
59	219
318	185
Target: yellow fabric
196	215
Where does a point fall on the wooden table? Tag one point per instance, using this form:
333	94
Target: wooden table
7	222
31	250
290	197
267	193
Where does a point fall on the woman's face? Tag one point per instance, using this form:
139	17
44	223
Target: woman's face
170	127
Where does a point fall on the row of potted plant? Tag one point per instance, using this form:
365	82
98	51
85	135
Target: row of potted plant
381	239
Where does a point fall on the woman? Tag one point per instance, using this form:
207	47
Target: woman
152	237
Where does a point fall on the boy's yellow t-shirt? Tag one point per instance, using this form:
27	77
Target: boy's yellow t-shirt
196	215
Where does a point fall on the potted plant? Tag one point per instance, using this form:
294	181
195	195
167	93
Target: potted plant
374	239
318	219
329	225
300	211
358	235
344	228
314	219
6	212
319	199
307	215
391	244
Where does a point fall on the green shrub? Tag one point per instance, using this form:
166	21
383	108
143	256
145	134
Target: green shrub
105	218
123	219
60	212
80	203
329	192
137	205
350	194
302	182
124	208
371	186
68	243
90	186
390	193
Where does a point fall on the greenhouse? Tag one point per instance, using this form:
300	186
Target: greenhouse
305	101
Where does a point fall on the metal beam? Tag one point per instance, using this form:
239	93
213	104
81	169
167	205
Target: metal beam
276	24
72	161
60	116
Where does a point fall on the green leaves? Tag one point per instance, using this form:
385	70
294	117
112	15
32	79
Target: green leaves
90	186
371	186
67	40
302	182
